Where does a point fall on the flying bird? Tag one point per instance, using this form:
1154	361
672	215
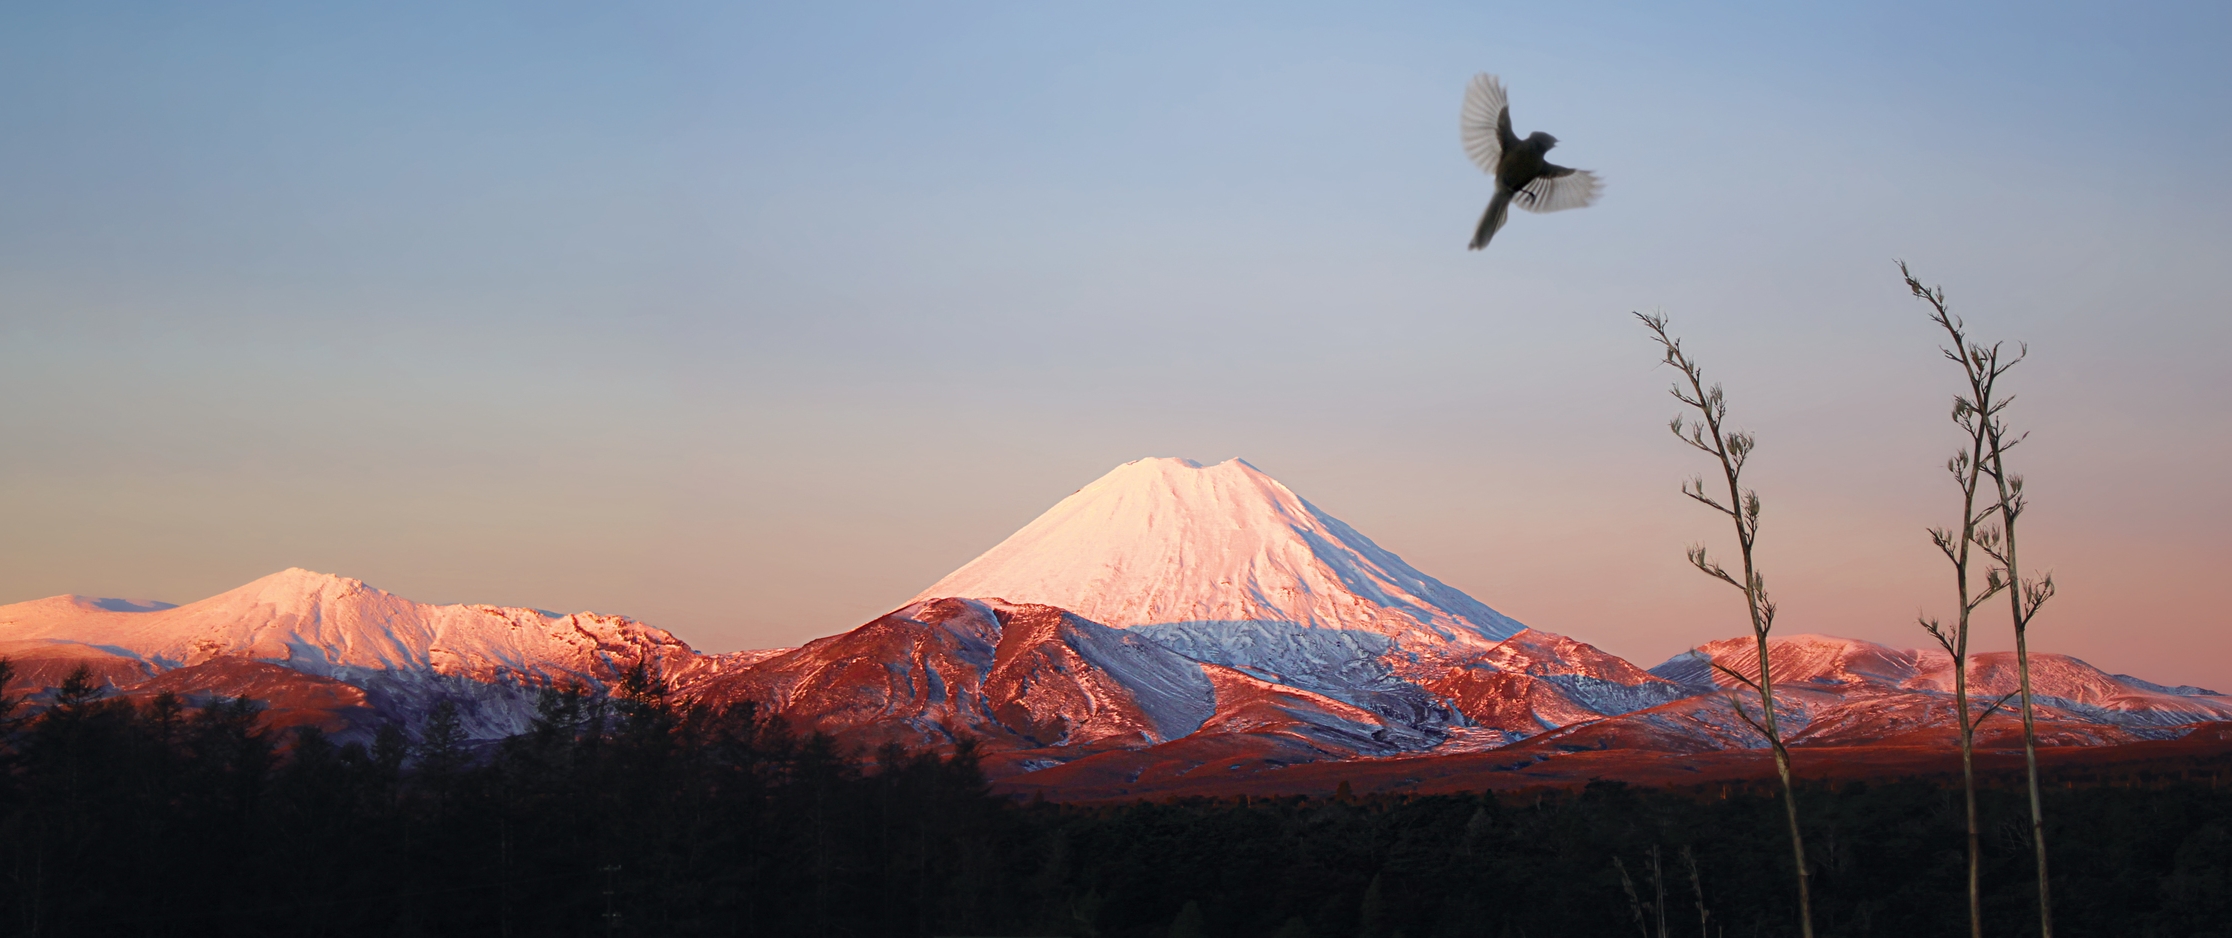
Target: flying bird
1523	177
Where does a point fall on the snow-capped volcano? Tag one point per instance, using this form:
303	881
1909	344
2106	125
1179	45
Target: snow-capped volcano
1171	542
1226	566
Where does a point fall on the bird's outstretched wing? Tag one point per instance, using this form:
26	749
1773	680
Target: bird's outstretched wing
1484	124
1558	189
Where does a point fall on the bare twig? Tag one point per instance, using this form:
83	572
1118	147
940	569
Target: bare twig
1994	708
1736	675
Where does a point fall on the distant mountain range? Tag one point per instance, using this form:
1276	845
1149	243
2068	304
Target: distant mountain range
1168	621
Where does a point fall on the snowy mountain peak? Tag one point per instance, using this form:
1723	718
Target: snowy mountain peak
329	625
1805	657
299	580
1174	543
297	590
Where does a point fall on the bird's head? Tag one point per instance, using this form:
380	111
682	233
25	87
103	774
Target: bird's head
1542	141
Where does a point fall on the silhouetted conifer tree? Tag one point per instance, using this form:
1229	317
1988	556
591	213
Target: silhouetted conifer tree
441	746
8	702
105	829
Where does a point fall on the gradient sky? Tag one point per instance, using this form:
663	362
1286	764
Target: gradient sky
751	321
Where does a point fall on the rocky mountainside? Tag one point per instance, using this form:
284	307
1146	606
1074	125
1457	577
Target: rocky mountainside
1847	692
1017	676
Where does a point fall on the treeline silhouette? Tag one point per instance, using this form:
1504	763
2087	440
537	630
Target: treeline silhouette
634	814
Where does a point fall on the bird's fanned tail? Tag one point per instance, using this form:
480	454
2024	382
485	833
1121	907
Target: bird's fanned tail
1499	209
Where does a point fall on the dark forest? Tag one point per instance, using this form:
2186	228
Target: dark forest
635	815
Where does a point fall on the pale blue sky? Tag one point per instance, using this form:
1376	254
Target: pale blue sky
752	321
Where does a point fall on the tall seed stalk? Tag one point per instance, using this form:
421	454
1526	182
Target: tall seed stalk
2025	596
1974	412
1709	434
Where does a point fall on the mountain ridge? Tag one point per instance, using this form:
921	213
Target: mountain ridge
1248	631
1518	692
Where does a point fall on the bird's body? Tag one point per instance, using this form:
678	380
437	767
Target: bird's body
1523	162
1522	175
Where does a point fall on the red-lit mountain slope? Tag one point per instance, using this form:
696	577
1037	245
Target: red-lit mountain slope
1015	676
